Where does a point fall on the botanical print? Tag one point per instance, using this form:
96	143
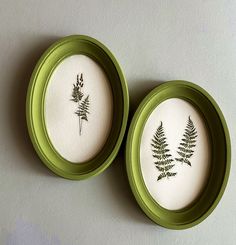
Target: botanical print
160	153
83	103
188	142
164	161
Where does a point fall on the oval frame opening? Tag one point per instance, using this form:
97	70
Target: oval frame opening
175	153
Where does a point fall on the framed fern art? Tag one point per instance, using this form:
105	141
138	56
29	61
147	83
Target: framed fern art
77	107
178	154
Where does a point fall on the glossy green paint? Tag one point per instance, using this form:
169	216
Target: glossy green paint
220	152
71	45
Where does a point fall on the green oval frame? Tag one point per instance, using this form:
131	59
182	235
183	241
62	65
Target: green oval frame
65	47
220	162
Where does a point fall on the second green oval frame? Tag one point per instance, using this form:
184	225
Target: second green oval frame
220	162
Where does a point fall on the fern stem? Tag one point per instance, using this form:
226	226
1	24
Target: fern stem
80	125
80	121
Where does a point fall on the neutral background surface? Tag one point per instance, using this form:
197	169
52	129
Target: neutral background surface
154	41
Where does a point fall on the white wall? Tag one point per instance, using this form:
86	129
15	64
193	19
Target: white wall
154	41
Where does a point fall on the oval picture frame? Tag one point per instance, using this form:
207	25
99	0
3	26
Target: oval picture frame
35	106
220	151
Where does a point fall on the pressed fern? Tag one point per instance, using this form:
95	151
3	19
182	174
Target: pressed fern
160	153
77	95
84	109
83	105
188	142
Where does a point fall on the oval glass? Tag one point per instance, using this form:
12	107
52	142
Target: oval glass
77	107
178	154
82	123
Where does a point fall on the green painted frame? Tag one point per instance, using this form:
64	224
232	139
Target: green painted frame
220	147
71	45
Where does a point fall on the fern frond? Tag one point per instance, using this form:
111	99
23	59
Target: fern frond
83	109
77	95
179	159
169	167
187	144
162	175
169	174
161	153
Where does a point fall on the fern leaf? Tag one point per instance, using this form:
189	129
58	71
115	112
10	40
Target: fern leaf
187	144
187	161
169	174
77	95
182	154
161	169
161	153
188	155
169	167
84	109
179	159
162	175
165	162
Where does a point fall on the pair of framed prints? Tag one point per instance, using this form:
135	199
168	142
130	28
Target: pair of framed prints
178	145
